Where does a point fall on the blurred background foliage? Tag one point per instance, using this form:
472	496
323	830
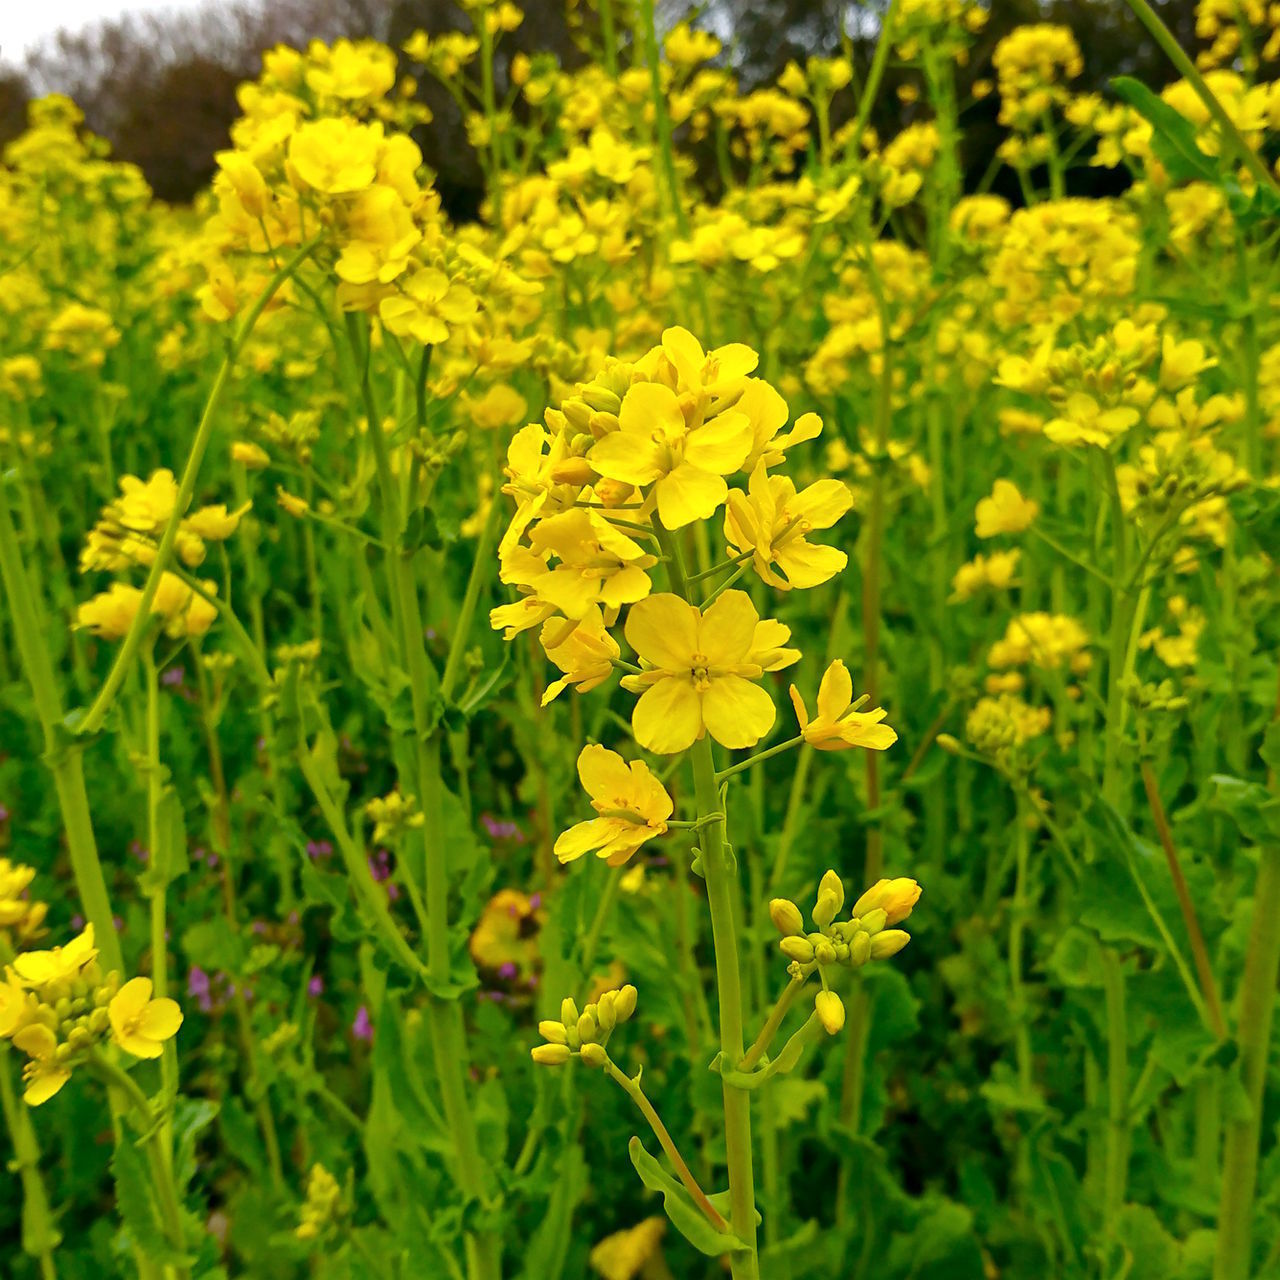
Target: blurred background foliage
160	87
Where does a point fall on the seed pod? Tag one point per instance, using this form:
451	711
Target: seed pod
551	1055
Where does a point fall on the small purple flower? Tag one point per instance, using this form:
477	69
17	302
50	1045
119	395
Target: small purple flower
319	849
316	986
77	922
4	813
362	1028
198	987
535	901
142	855
507	970
174	676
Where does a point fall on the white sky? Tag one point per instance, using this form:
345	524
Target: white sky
23	23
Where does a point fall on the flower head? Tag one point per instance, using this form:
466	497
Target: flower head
139	1024
699	668
633	807
839	724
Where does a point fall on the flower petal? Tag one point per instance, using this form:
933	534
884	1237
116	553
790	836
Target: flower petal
736	712
668	717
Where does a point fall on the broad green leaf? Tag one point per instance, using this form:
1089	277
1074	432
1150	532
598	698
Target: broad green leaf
1173	136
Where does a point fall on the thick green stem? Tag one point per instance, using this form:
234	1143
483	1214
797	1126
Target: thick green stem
719	873
40	1236
1253	1039
1116	1176
61	755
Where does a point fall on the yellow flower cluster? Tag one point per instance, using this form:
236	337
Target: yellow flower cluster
583	1034
58	1007
849	944
322	1207
21	916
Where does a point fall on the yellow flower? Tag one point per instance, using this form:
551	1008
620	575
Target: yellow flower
623	1255
58	965
633	807
1182	362
837	725
13	1004
215	523
336	156
655	444
585	655
706	373
1005	511
139	1024
251	456
1084	421
995	571
429	307
110	613
772	521
598	563
699	669
44	1072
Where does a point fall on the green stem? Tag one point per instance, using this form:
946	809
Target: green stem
1017	924
766	754
1117	1161
770	1028
1187	69
61	756
637	1095
1253	1040
649	36
94	717
40	1236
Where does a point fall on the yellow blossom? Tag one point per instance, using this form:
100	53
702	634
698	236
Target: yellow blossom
838	724
633	807
139	1024
1005	511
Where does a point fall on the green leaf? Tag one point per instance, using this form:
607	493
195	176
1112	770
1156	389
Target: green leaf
1173	137
191	1117
1249	805
685	1216
137	1207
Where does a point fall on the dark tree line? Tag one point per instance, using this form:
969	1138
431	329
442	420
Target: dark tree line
161	87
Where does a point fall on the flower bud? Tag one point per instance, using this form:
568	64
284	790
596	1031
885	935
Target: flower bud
797	949
572	471
874	921
860	950
594	1055
606	1012
568	1011
830	1010
602	398
832	884
587	1027
625	1002
786	916
824	952
824	910
603	424
553	1032
897	897
551	1055
888	943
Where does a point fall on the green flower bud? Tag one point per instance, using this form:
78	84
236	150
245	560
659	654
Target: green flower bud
860	950
874	921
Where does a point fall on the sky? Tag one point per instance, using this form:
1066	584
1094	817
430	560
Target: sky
23	23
